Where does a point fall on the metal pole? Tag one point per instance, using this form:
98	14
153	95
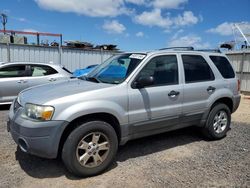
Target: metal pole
8	52
242	66
60	54
61	39
101	55
242	34
38	40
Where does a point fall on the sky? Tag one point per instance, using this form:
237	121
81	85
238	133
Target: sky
132	24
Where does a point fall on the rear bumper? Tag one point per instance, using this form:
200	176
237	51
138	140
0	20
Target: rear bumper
236	102
35	137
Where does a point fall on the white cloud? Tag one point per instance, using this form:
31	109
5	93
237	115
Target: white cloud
136	2
189	40
105	8
113	27
127	35
22	19
168	4
94	8
30	30
226	28
155	18
188	18
139	34
177	33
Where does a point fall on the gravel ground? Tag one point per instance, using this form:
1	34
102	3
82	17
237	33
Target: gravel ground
176	159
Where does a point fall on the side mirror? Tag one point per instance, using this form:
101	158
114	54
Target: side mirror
143	81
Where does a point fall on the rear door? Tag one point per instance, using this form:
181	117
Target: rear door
13	79
199	86
159	105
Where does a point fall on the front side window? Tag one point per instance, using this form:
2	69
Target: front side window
116	69
41	70
223	66
196	69
12	71
164	70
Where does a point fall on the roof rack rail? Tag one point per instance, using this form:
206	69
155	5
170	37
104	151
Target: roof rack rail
209	50
188	48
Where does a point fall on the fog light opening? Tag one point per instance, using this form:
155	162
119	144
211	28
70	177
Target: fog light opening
22	144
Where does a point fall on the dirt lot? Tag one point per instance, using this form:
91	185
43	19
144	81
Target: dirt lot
176	159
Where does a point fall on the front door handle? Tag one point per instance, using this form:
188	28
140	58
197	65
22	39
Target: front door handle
173	93
22	81
52	79
211	89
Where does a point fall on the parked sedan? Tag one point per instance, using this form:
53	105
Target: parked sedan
17	76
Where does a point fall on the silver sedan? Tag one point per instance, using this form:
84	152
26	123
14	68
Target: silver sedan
17	76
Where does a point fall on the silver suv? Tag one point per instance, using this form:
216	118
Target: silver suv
129	96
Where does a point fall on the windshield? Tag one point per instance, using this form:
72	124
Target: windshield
116	69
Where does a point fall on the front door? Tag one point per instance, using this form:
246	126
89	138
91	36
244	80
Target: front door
158	105
13	79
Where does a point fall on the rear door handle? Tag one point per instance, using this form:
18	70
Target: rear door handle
173	93
211	89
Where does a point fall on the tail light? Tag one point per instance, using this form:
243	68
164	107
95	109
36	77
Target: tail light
238	85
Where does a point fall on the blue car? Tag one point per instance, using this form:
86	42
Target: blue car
83	72
112	71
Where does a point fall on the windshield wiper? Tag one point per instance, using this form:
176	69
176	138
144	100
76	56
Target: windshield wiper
91	79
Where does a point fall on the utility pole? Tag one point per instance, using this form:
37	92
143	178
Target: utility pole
4	21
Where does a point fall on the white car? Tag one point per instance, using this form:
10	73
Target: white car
17	76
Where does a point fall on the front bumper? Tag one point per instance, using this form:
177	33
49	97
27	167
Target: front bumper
35	137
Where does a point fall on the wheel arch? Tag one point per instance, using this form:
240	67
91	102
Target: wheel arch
102	116
224	100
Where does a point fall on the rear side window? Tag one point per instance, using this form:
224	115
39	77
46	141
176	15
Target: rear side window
12	71
42	70
196	69
223	66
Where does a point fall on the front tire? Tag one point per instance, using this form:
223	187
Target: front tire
90	148
218	122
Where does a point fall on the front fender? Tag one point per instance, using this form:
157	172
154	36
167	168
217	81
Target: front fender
89	107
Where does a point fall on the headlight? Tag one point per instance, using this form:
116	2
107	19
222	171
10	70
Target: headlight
38	112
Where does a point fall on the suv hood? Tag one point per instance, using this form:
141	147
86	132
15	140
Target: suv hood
44	93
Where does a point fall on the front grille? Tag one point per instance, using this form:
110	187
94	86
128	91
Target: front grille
16	106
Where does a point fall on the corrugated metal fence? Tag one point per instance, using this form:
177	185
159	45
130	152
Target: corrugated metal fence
241	63
68	57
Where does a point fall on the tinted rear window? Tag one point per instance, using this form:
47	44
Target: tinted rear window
42	70
196	69
223	66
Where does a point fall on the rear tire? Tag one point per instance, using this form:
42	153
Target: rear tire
218	122
90	148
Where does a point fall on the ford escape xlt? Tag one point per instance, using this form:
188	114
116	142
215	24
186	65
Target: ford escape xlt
85	119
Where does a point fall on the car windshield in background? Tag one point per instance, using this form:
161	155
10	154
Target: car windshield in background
116	69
